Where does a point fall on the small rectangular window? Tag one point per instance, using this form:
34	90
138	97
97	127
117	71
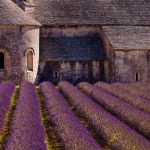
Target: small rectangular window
138	76
57	75
2	59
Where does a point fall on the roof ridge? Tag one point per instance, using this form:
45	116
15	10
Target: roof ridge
12	14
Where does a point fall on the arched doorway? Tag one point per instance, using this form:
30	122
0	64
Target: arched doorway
2	60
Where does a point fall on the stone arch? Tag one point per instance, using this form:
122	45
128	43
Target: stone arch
3	59
29	49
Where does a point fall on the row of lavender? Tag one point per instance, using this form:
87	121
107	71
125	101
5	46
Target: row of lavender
6	91
139	102
27	131
121	109
26	128
115	133
67	125
134	90
142	86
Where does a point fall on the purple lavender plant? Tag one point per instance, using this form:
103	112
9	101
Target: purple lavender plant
26	130
142	86
116	133
133	99
68	127
124	111
6	90
132	90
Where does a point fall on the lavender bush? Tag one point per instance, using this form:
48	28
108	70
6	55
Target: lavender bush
116	133
124	111
132	90
26	129
69	128
141	86
6	90
133	99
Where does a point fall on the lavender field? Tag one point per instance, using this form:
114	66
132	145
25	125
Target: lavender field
67	117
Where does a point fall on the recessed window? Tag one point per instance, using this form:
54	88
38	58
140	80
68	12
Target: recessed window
30	60
148	55
138	76
2	60
57	75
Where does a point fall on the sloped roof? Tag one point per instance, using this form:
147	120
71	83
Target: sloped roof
127	37
11	14
93	12
85	47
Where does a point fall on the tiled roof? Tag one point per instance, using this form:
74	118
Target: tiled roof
93	12
11	14
85	47
127	37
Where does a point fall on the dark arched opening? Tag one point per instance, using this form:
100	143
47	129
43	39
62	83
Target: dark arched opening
2	64
138	76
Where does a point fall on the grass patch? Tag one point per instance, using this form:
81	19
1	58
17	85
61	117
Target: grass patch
52	140
8	118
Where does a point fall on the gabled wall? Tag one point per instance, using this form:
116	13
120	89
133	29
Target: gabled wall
76	52
132	62
110	54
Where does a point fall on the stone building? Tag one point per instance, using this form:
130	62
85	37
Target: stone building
75	40
19	42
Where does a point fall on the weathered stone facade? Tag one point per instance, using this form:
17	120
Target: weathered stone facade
113	65
15	42
74	40
82	57
73	71
132	66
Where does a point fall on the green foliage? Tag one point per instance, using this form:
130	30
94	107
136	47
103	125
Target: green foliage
8	118
52	140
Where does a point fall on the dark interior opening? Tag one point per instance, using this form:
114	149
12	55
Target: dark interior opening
137	77
1	60
57	75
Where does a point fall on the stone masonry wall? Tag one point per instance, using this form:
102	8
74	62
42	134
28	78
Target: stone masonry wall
109	63
14	42
128	63
73	71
